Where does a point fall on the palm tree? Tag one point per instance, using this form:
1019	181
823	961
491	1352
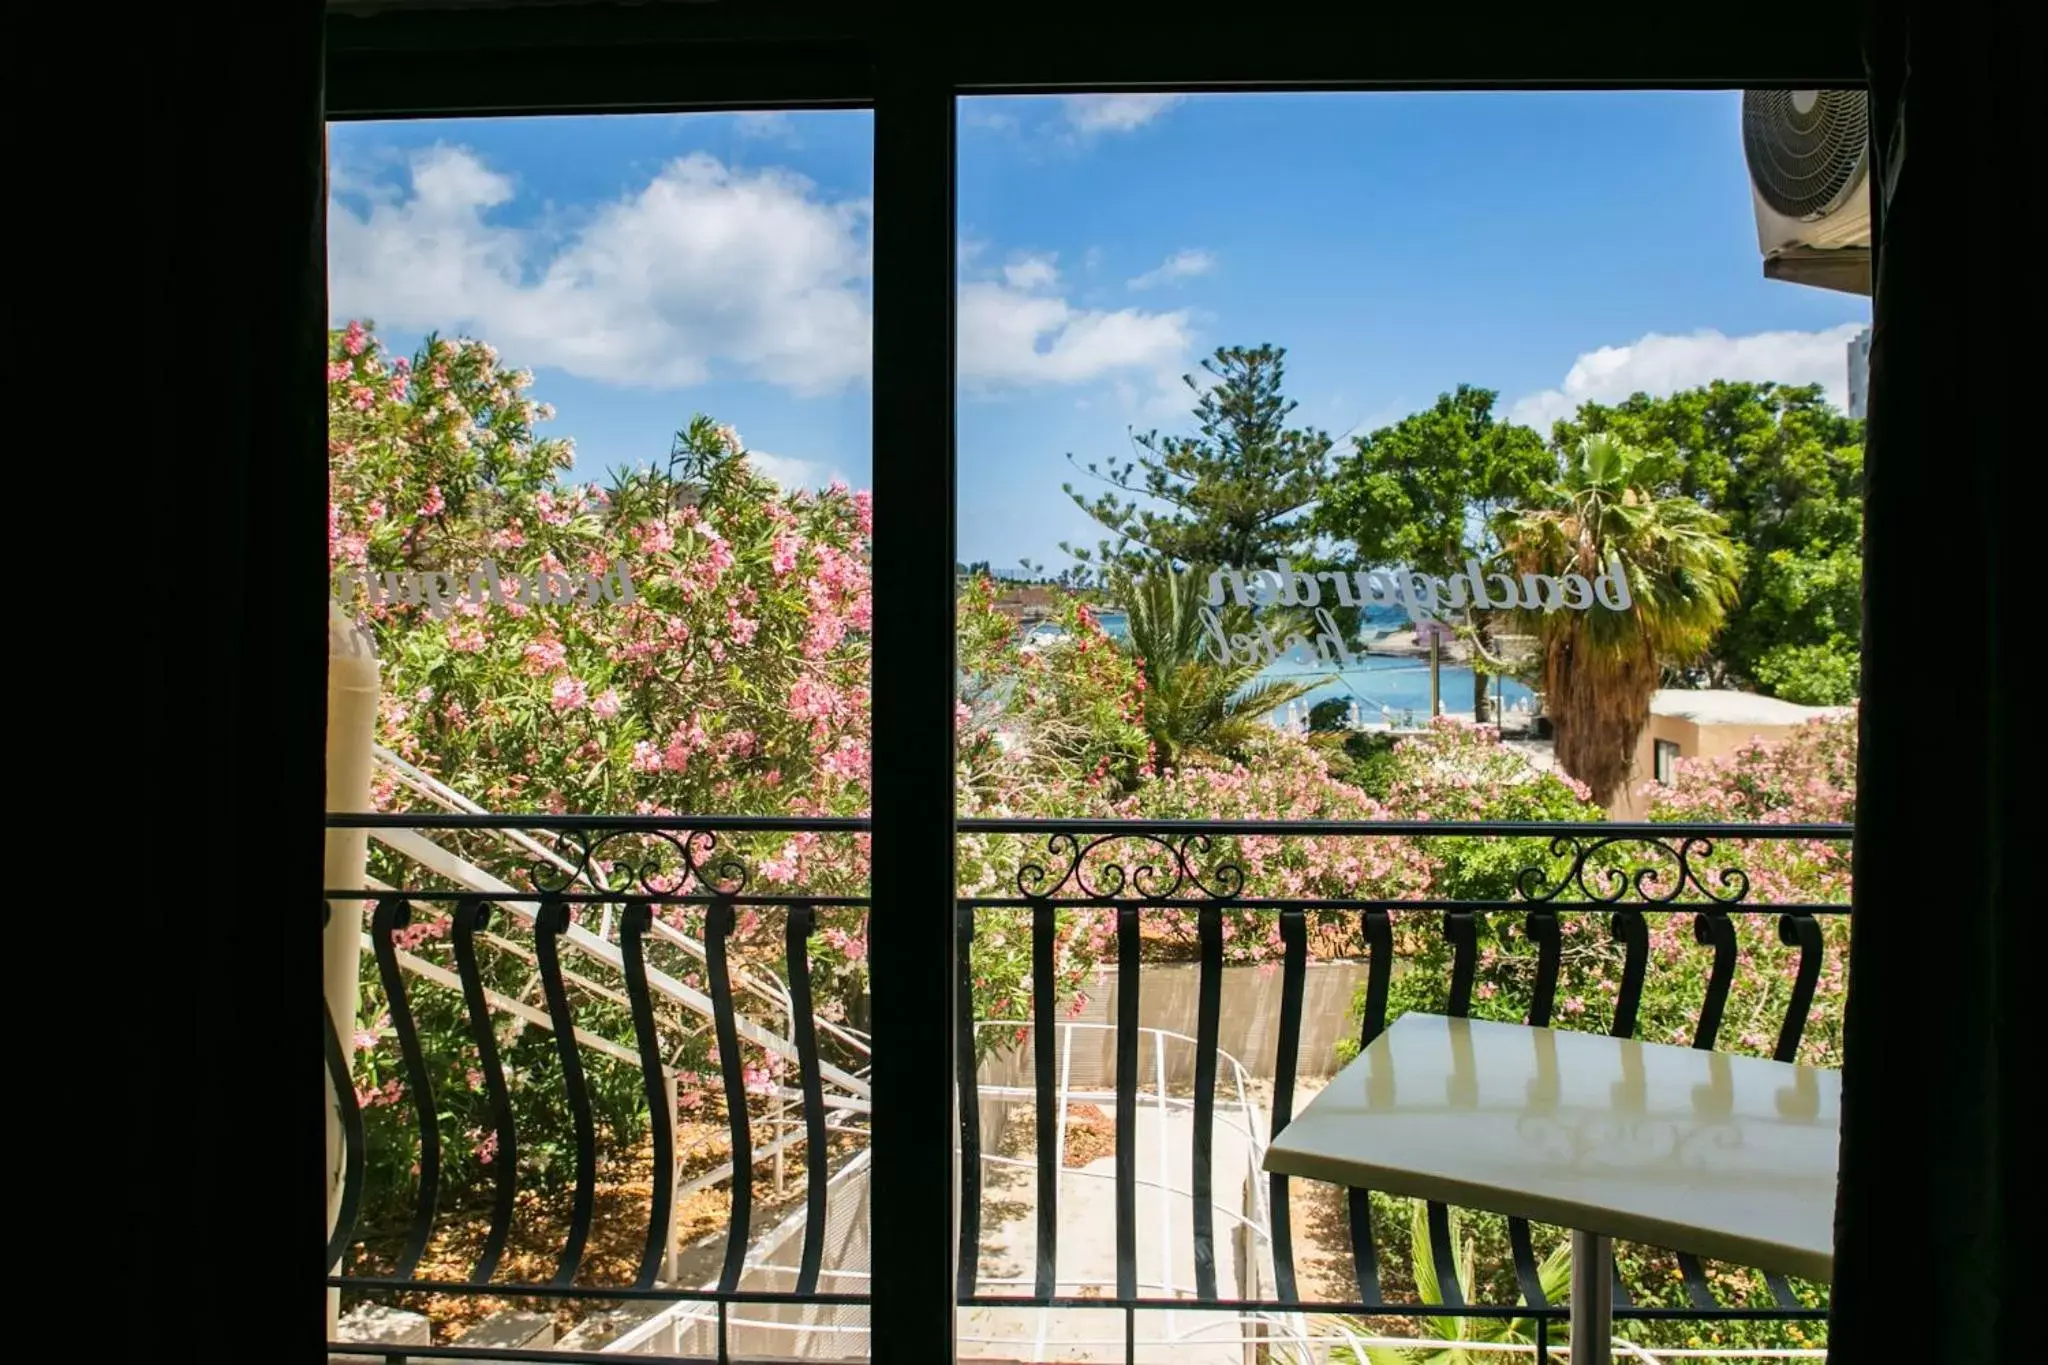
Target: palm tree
1196	702
1601	664
1554	1274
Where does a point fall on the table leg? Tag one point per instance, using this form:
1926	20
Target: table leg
1592	1299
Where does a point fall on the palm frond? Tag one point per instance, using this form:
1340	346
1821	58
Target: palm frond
1197	699
1600	665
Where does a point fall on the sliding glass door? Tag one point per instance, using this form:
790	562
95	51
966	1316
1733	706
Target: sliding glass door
1384	586
600	731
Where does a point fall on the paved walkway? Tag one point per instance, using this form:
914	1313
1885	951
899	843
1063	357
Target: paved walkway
1087	1253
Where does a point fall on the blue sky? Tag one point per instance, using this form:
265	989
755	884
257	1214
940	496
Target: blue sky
1551	246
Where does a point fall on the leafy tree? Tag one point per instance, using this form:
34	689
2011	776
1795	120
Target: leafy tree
1196	702
1427	491
1600	665
1329	716
1785	469
1798	633
1236	493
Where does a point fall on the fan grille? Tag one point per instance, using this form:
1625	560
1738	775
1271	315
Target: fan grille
1806	148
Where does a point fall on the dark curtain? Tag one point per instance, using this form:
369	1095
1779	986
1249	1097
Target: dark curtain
230	204
1925	1245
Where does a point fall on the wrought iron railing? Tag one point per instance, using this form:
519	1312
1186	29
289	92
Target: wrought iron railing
1127	872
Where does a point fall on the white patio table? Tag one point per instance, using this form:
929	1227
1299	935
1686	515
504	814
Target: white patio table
1726	1157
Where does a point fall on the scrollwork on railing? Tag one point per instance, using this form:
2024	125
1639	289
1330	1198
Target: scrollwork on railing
1067	870
651	862
1652	884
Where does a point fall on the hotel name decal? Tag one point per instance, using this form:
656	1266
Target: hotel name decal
1424	597
440	592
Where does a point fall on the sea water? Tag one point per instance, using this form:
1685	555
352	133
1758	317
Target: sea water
1383	685
1399	685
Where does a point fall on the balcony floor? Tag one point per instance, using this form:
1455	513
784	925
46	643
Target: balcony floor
1087	1252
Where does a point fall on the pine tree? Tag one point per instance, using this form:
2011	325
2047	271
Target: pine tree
1233	494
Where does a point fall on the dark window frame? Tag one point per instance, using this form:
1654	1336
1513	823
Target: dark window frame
394	60
1664	754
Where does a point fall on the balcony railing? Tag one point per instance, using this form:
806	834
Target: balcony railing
613	919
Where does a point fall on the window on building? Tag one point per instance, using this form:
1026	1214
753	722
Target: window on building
1667	761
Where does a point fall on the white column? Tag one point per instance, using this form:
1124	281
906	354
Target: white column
351	734
672	1255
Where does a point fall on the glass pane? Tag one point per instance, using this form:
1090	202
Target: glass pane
599	429
1426	466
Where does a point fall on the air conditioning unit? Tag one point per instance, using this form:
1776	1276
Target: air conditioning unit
1809	175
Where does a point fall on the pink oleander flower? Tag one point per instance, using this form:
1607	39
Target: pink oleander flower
717	559
848	761
606	704
813	700
552	512
656	537
782	553
545	655
569	694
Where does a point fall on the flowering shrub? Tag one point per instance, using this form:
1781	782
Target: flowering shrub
1280	777
1052	724
1461	772
734	680
1807	777
726	672
1049	726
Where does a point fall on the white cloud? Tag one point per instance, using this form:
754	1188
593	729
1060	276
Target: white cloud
1022	336
704	270
1090	114
1658	364
1031	272
793	474
1181	265
1019	332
